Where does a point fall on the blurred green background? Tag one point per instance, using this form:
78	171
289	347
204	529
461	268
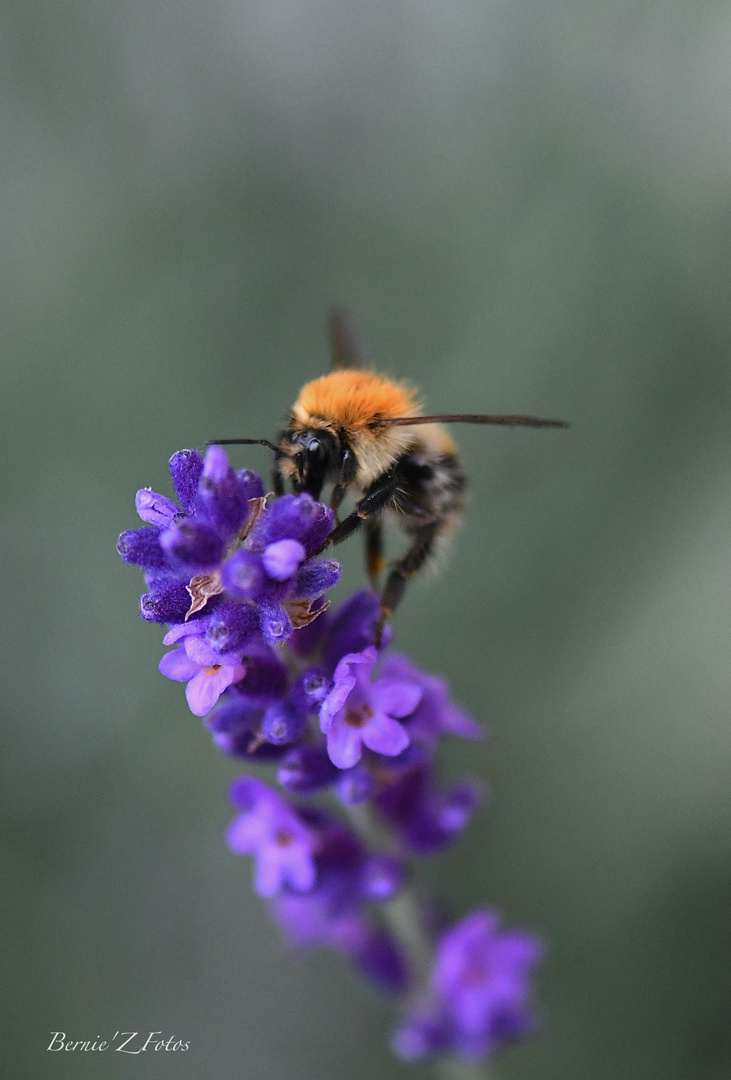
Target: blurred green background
527	205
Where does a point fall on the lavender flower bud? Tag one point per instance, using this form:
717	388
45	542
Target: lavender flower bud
306	769
192	545
232	626
155	509
282	723
141	547
185	470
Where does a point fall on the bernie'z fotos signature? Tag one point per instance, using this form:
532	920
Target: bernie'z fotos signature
129	1042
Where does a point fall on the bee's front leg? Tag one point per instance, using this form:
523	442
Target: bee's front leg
374	502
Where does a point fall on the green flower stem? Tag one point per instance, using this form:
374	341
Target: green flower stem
402	914
454	1069
404	918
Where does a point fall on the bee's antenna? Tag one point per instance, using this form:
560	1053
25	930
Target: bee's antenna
241	442
467	418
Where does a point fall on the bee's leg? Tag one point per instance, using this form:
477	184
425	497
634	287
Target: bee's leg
348	469
374	502
402	572
375	562
277	481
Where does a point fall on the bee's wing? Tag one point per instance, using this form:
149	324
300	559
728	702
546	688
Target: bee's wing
346	349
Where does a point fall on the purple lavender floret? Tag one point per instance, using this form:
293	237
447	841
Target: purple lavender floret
424	818
282	844
155	509
142	547
350	629
436	714
192	547
359	712
194	662
235	727
335	911
373	951
266	679
306	769
283	682
479	994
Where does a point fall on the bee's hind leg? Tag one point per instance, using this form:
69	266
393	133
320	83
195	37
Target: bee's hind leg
375	562
401	573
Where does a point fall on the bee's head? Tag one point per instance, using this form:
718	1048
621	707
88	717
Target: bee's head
307	457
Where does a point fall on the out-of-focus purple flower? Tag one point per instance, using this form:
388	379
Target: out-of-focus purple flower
373	951
200	666
306	640
235	727
479	994
424	818
283	723
310	689
305	769
282	845
266	677
283	559
347	875
333	912
436	714
234	724
358	712
355	785
351	628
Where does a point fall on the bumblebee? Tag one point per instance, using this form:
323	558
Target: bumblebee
365	435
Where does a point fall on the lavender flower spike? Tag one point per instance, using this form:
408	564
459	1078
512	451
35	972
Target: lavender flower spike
304	692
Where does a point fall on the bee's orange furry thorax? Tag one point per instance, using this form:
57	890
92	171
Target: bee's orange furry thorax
353	399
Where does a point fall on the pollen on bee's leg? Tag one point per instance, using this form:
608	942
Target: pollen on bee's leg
376	565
